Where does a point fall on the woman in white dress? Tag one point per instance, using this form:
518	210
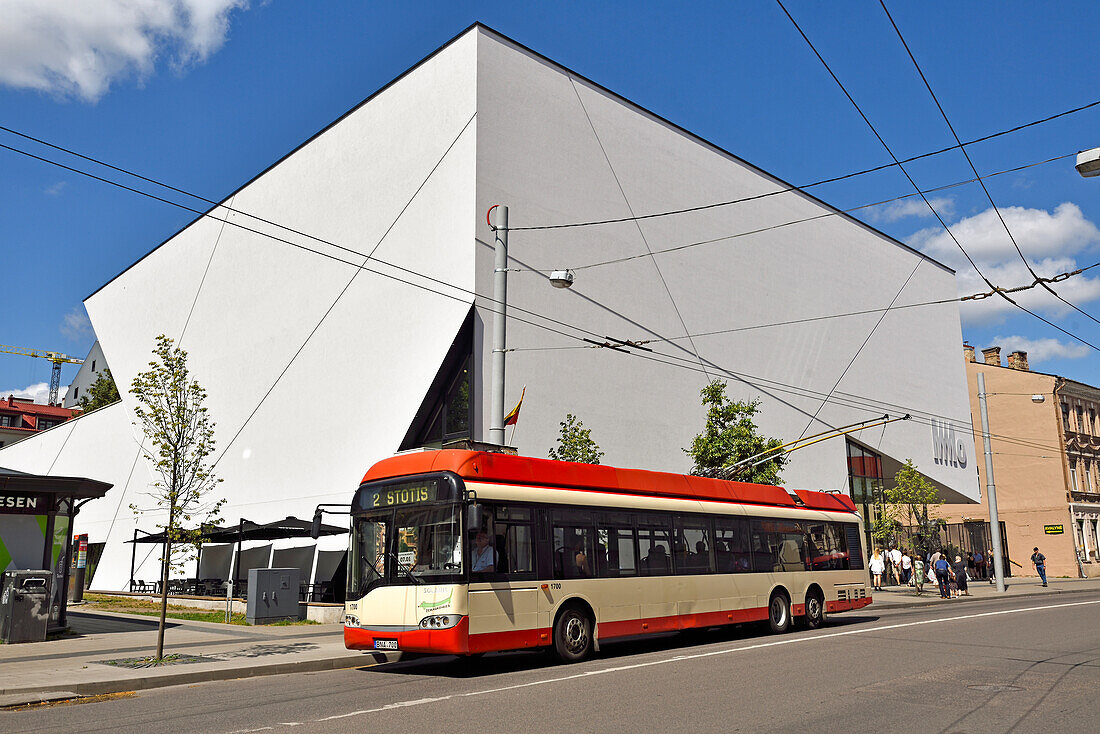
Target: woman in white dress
878	566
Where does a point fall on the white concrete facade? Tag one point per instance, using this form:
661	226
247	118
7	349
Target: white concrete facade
407	177
94	364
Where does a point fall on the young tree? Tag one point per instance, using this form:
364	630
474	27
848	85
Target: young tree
101	392
575	443
912	503
179	439
730	436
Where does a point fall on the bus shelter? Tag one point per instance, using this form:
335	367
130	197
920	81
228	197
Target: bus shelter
36	516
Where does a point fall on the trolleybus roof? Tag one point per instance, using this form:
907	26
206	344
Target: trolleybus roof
507	469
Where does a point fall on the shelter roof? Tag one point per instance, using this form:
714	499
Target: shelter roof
76	487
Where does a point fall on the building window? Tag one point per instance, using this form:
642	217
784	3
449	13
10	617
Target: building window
1081	419
1092	421
1065	416
6	420
1073	474
1088	476
44	424
76	391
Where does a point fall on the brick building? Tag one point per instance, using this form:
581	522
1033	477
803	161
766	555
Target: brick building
1045	437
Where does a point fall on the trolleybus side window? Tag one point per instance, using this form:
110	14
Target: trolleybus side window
778	545
826	546
731	544
615	552
692	545
654	542
514	540
573	543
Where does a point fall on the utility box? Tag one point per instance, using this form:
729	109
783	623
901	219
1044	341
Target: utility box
25	606
272	595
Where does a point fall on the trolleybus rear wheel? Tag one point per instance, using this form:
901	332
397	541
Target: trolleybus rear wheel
815	610
572	635
779	612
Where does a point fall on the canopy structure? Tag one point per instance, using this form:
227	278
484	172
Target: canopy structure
244	530
36	519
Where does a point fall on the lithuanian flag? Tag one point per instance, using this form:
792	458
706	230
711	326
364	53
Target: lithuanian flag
513	416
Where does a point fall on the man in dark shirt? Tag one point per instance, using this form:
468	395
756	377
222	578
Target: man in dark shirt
1040	562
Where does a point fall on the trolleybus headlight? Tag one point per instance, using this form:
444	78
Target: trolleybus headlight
351	621
440	621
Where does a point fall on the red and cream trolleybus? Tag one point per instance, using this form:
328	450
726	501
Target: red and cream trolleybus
465	552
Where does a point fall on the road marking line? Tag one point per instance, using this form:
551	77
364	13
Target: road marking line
680	658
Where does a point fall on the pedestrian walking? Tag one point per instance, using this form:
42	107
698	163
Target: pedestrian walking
906	569
895	563
878	565
1040	562
991	567
962	575
943	575
918	574
979	564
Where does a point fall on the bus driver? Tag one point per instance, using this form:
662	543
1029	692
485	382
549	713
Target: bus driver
484	556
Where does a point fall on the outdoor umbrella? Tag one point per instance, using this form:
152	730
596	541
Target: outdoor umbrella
290	527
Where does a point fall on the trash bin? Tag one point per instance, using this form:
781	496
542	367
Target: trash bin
24	606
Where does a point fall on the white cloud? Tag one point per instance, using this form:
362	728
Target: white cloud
1052	242
76	325
77	48
39	392
1041	350
55	189
911	207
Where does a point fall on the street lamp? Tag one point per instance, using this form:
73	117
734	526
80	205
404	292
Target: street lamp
1088	163
497	218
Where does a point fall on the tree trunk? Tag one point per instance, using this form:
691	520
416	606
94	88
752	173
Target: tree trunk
165	565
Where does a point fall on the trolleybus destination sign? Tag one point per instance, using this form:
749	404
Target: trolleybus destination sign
405	493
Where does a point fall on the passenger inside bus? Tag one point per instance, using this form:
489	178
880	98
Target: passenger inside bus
657	561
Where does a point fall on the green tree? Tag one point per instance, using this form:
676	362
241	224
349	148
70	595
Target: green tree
102	392
731	435
912	503
179	440
575	443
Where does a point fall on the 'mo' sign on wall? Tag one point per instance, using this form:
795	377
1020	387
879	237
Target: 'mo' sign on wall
947	448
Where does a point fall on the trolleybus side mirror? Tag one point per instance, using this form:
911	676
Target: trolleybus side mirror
315	529
473	516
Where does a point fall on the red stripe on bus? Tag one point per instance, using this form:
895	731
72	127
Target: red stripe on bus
457	640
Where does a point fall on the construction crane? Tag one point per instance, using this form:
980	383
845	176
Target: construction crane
57	358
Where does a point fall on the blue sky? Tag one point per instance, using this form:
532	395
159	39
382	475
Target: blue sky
203	94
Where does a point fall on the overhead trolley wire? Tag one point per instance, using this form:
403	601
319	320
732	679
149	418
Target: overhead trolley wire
963	150
855	402
834	179
931	208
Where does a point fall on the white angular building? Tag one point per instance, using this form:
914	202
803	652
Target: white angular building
350	266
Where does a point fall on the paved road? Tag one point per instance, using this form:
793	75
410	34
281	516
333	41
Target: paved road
1022	665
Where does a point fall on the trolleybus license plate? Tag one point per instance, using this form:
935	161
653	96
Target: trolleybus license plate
385	644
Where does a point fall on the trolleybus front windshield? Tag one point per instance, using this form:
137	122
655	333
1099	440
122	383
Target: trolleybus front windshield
405	533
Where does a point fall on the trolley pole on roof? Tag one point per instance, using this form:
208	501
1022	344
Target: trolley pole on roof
498	221
991	490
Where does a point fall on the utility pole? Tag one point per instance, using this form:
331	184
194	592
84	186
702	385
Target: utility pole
498	221
991	490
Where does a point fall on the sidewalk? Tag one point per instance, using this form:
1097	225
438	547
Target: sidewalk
74	666
901	596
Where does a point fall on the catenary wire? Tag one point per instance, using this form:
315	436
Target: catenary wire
788	189
931	208
869	406
823	215
962	149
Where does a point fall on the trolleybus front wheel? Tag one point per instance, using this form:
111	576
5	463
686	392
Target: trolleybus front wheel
572	635
779	612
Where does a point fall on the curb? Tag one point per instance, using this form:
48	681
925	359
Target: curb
934	601
21	696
